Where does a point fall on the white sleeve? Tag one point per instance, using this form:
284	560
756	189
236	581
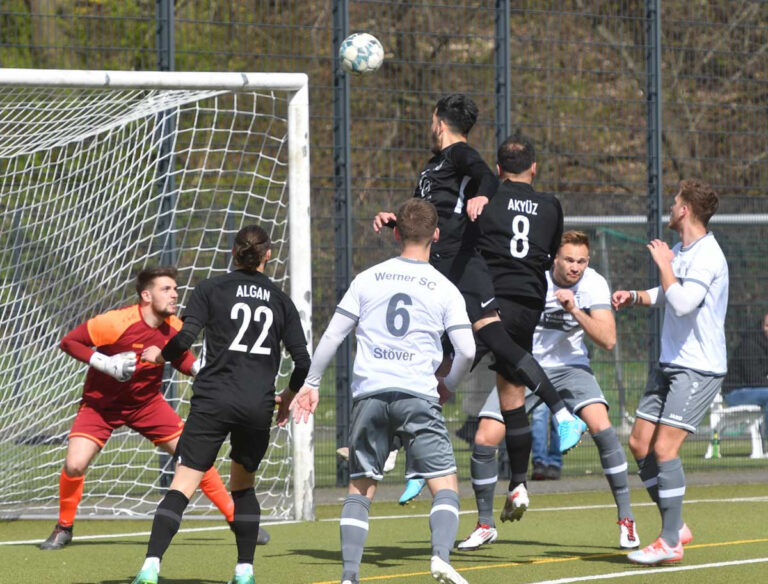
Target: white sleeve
685	298
350	304
656	296
338	329
464	354
601	294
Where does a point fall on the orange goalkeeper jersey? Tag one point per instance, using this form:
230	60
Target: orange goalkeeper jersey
115	332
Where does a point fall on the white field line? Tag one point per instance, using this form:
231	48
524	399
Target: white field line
405	516
643	572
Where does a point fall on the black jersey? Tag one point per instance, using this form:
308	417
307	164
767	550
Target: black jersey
520	235
246	317
448	180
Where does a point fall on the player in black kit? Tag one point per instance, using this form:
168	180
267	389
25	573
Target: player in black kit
459	183
520	235
246	317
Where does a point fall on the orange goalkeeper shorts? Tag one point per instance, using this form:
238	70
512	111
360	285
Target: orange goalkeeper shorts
156	420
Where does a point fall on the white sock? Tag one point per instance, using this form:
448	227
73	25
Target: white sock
563	414
151	563
243	569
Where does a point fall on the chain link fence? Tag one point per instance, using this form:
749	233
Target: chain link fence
578	87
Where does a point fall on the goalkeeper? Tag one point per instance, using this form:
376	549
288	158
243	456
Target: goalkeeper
119	391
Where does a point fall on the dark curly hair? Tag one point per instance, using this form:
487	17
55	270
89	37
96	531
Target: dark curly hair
251	245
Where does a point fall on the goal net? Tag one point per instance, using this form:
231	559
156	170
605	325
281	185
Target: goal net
102	174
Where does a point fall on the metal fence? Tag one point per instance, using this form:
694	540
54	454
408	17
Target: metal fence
622	98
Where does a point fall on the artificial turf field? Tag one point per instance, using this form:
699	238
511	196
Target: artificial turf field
562	538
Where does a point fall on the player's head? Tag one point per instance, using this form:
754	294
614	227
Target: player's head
516	156
416	223
696	199
252	249
455	112
156	288
572	258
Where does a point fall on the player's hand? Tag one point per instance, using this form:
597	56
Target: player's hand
382	219
566	299
620	299
475	206
283	401
443	391
152	354
120	366
660	252
304	404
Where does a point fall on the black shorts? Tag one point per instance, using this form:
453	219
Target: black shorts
206	429
469	273
520	316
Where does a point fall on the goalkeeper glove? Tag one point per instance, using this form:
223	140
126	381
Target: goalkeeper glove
120	366
195	369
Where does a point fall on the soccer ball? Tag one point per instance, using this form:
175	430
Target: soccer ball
361	53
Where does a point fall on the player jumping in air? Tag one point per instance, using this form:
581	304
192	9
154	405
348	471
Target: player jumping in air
459	184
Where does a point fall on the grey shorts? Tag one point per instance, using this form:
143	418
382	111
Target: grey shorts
576	385
679	397
419	423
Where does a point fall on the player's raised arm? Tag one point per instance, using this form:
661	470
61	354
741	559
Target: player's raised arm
384	219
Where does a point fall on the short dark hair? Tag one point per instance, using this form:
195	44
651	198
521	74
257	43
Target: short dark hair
458	111
516	154
251	245
146	277
701	197
574	238
416	221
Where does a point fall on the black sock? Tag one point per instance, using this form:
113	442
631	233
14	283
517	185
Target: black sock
166	522
518	441
511	357
246	524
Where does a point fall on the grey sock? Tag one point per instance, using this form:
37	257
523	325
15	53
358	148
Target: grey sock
484	470
614	463
671	493
649	474
444	522
354	530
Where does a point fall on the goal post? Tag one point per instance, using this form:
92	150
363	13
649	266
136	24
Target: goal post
95	185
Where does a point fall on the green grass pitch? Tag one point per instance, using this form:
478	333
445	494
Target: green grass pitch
563	538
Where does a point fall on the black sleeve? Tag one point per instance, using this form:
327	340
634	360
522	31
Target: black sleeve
194	317
296	344
558	236
468	162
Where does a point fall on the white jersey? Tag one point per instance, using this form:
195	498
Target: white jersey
697	340
559	339
402	307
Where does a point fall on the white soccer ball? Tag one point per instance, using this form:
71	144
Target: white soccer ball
361	53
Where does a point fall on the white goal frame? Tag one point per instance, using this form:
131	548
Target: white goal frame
296	93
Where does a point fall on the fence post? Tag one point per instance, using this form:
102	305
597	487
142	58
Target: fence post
654	148
502	75
166	188
342	205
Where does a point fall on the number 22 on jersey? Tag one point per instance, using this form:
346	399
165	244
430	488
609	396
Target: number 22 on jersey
243	313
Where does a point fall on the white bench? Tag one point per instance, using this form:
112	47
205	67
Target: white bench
721	416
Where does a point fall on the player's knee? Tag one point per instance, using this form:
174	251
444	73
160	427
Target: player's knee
489	432
637	446
75	468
